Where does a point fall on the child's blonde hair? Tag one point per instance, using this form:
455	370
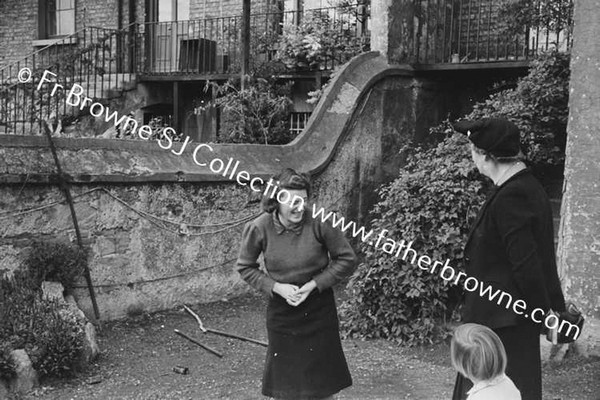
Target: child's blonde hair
477	352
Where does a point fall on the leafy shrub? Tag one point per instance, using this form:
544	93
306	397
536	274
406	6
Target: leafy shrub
7	367
538	106
318	41
550	15
431	203
58	341
257	114
51	336
58	262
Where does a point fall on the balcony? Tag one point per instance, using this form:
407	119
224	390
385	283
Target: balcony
211	48
451	32
436	35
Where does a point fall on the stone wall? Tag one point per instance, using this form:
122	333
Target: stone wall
138	263
350	146
351	143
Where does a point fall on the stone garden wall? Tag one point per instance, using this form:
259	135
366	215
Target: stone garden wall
163	230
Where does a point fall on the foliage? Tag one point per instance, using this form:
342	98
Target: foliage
551	15
538	106
157	126
7	366
51	336
431	203
319	42
58	340
256	114
54	261
263	50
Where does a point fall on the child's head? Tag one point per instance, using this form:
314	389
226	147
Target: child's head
477	352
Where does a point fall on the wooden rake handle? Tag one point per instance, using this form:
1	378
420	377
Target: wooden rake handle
222	333
205	347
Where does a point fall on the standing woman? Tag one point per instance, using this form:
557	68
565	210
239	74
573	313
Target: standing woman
303	258
511	248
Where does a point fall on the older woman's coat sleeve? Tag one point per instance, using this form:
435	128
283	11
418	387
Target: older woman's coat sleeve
247	262
343	258
515	216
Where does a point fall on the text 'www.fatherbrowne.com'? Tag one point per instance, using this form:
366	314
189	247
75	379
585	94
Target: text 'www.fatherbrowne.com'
404	251
228	168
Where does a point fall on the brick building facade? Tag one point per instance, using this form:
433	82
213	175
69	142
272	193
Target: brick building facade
24	23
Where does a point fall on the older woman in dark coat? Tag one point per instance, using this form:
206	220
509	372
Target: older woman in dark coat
510	247
303	259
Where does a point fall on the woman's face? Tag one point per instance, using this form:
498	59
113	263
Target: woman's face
479	160
293	211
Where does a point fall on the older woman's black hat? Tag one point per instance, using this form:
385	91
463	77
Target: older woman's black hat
497	136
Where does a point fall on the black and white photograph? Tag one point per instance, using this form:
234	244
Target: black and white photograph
299	200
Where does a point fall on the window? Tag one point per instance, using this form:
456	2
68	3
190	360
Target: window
56	18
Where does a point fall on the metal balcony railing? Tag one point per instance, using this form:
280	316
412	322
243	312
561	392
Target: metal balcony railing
213	46
99	60
102	60
463	31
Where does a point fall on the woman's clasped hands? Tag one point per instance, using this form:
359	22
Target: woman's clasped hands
293	294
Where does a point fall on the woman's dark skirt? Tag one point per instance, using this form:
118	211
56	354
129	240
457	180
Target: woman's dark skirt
305	359
524	365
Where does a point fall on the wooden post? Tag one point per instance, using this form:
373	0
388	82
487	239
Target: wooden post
65	188
245	41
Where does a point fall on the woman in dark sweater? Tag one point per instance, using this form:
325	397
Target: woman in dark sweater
303	259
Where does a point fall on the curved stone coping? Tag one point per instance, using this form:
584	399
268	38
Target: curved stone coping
87	160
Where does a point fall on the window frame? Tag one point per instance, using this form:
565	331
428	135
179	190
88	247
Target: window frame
43	16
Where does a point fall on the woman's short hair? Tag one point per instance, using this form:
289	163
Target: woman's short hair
286	179
500	160
477	352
